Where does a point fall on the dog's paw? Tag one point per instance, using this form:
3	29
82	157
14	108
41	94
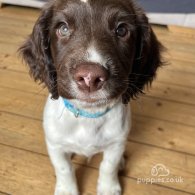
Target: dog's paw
112	188
62	191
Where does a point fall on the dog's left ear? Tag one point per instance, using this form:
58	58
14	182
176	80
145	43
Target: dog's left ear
147	58
37	55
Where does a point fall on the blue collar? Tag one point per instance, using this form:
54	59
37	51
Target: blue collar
78	112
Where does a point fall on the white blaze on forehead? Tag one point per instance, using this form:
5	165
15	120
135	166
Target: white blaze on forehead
85	1
94	56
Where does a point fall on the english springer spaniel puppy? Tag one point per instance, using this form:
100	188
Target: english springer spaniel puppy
93	56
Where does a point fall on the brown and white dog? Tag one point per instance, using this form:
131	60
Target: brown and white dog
93	56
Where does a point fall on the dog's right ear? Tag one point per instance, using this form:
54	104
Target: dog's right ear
37	55
147	59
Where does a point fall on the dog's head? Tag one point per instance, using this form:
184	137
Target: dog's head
93	50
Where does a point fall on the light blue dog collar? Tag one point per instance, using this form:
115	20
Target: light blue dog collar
78	112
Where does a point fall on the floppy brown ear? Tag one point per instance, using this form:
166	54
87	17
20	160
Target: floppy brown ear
147	58
37	55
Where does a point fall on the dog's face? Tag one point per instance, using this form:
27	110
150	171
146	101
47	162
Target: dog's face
93	50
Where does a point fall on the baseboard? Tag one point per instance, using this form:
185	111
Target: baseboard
29	3
185	20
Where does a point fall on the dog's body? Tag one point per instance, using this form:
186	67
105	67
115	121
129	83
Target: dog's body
85	136
93	56
67	134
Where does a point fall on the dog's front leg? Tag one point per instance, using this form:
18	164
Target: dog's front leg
108	182
65	176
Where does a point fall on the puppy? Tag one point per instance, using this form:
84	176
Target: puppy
93	56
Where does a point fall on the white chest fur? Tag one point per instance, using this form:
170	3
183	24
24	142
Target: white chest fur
84	135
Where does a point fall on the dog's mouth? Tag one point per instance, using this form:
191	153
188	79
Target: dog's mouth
87	102
97	97
101	95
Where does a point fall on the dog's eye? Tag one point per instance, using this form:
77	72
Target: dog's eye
122	30
63	30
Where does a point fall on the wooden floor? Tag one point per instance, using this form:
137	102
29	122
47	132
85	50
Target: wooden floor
163	121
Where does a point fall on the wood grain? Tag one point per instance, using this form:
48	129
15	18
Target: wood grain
165	110
165	134
172	92
189	32
24	172
1	193
29	136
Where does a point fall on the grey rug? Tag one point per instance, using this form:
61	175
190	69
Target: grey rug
168	6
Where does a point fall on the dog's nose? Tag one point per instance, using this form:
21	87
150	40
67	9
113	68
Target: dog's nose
90	77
